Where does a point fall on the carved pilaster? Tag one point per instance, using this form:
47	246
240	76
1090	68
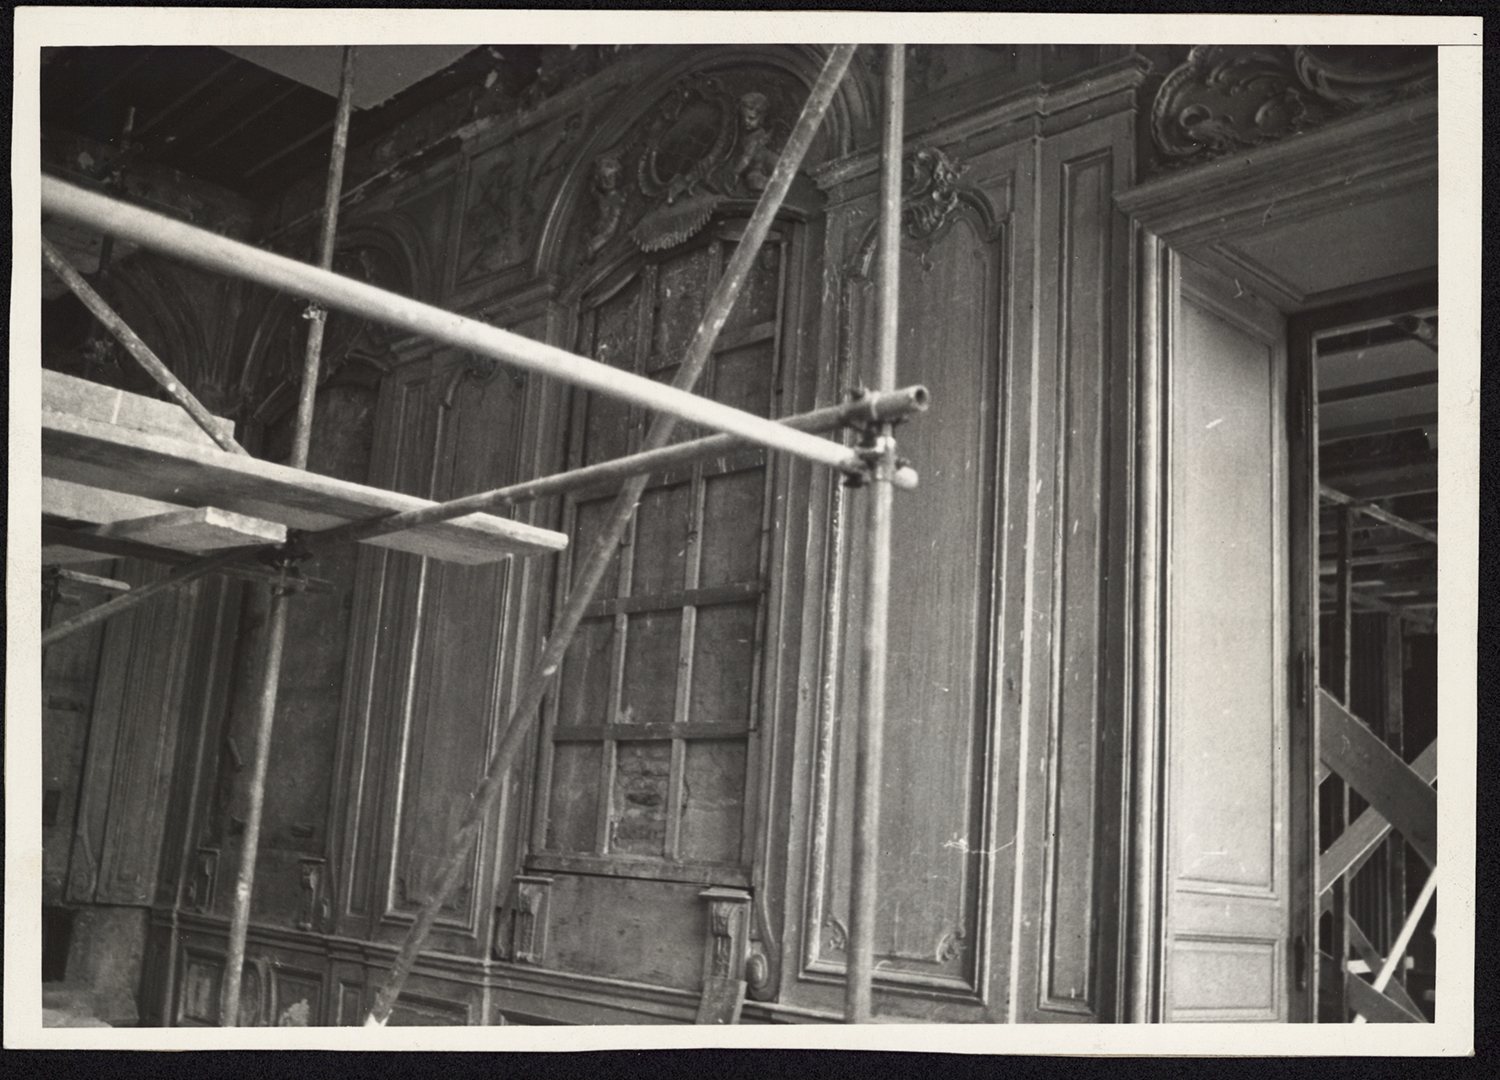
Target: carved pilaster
524	938
725	950
313	908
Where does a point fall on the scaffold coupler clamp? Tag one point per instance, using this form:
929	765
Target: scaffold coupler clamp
285	560
877	448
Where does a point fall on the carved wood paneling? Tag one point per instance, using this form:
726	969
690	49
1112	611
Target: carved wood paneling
393	588
133	734
931	928
296	997
1067	888
627	929
423	1010
508	187
425	694
1233	97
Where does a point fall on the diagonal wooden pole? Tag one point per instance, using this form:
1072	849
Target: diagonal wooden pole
524	711
1398	950
239	923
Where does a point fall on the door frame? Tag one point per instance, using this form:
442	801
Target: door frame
1196	212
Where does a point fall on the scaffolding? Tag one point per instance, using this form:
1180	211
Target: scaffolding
874	465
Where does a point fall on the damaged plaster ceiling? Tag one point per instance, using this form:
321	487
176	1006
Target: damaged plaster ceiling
380	72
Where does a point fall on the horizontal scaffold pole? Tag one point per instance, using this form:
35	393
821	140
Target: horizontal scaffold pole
182	575
869	408
219	253
116	547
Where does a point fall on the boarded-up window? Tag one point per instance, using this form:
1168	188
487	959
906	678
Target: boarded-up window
648	744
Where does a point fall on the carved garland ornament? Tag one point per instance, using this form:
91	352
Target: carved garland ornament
1233	97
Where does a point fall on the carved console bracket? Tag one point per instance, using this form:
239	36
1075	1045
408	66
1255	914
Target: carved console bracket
725	950
314	909
199	894
1231	97
523	938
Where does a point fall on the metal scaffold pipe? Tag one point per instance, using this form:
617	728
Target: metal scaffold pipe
524	710
183	575
872	408
318	318
236	259
865	862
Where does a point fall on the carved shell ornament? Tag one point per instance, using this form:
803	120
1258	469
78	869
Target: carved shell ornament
1233	97
705	142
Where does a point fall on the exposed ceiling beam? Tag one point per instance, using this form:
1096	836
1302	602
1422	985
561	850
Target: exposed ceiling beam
1385	517
182	100
254	115
285	150
1380	386
1377	427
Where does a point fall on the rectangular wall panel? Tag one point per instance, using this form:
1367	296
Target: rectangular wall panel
1226	784
931	926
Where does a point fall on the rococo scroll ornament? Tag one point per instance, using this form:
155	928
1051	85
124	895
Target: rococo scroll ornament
929	180
1233	97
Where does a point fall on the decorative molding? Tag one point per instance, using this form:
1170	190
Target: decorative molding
199	895
703	145
929	186
313	906
931	199
725	950
528	923
836	935
1378	152
951	945
1226	98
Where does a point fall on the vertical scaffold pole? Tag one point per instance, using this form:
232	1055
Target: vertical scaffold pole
244	885
317	316
858	1000
587	580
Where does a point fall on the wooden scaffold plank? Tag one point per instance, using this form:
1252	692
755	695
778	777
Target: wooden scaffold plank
117	459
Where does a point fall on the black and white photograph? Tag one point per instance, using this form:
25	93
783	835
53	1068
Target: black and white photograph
656	522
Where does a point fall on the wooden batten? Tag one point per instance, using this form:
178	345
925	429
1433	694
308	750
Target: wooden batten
1394	789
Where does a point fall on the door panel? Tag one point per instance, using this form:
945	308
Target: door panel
1226	757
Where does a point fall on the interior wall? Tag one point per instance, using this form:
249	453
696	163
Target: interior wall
1015	268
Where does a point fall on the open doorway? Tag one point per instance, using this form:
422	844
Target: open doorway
1370	387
